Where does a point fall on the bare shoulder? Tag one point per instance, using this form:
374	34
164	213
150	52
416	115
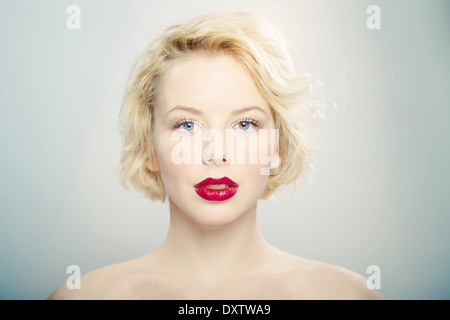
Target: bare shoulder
93	285
310	279
340	283
110	282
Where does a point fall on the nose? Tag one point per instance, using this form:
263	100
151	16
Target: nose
214	151
220	159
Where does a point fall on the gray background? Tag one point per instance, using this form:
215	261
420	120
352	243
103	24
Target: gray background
380	193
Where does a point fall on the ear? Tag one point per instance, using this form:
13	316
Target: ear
153	163
275	161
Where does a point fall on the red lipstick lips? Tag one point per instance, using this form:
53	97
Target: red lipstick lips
216	189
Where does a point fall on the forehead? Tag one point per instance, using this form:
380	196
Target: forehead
209	82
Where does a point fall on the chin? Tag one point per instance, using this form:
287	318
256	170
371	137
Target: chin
212	213
216	214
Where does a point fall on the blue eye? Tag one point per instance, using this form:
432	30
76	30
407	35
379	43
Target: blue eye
188	126
185	125
247	123
244	125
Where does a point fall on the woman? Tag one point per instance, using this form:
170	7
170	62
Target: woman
214	119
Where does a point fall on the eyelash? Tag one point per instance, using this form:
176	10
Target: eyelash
252	121
179	123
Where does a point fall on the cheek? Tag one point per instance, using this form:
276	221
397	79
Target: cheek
175	160
259	149
255	175
170	171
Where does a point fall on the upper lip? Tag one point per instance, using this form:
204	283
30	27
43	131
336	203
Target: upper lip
223	180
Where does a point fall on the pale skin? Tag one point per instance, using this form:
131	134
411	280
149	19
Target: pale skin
214	250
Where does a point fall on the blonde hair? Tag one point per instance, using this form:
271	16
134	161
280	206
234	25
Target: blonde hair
260	48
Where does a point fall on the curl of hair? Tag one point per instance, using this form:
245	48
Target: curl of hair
260	48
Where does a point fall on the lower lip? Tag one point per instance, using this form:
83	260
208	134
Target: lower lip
216	194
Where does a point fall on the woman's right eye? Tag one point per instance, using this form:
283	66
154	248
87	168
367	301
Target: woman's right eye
185	125
188	126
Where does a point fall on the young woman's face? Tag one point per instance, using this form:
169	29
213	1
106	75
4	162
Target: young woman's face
212	97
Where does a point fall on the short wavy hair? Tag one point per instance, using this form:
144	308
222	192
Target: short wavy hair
259	47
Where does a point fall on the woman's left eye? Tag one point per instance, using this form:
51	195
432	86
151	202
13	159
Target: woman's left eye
246	124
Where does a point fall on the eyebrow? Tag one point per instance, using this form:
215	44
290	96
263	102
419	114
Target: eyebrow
198	112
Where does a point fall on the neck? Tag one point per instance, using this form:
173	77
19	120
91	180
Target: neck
213	250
